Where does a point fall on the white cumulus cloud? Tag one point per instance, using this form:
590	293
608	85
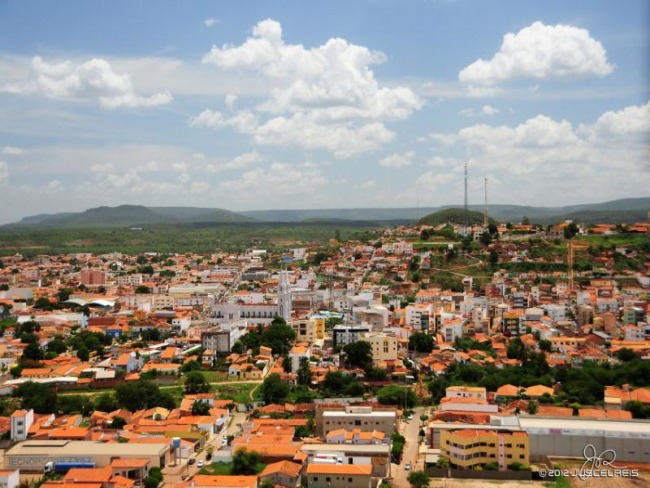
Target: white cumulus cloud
94	79
314	93
238	162
541	51
397	160
542	159
489	110
210	22
12	150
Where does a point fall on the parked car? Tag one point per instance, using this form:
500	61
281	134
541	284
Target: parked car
200	464
191	461
407	467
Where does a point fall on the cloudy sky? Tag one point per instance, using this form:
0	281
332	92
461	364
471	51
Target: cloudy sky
323	104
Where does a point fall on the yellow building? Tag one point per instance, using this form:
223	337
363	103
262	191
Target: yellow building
309	330
470	448
384	346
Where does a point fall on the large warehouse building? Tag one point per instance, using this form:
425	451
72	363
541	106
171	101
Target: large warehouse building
565	437
568	437
32	455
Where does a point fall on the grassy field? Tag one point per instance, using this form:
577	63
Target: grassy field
225	469
214	376
239	393
180	238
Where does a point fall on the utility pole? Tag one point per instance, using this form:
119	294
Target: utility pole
486	221
466	209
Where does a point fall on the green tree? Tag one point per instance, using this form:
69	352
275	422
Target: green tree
420	342
74	404
83	353
141	394
274	390
304	374
358	354
245	462
32	352
56	346
533	407
142	289
493	259
517	349
105	403
37	396
545	345
419	479
570	231
626	354
396	395
195	383
278	336
118	422
200	408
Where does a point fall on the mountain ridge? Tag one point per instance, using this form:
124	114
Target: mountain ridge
622	210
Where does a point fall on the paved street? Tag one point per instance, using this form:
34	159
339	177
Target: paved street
182	471
409	430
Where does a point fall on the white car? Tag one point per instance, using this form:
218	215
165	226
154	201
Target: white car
200	463
407	467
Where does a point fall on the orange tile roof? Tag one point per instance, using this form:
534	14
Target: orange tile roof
225	481
283	467
129	463
88	475
341	469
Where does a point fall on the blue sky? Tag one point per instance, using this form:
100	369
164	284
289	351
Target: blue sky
287	104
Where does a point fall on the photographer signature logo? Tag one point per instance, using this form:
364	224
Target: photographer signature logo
602	465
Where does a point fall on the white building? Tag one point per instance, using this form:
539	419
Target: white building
21	421
9	478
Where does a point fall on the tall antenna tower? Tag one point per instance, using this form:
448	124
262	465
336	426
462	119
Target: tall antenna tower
466	209
486	221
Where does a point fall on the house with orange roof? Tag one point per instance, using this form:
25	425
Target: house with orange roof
617	397
537	391
88	475
282	473
9	478
130	468
168	354
355	436
162	368
338	475
223	481
553	411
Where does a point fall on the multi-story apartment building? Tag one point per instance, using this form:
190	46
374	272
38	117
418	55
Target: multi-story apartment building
364	418
346	334
470	448
309	330
384	346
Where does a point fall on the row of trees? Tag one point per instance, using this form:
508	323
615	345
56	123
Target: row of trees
132	396
278	336
579	385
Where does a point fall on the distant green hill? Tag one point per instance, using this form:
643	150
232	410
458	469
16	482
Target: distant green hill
624	210
452	216
132	216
